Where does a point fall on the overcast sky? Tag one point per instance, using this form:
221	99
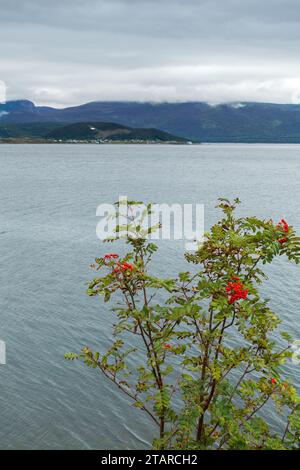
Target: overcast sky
65	52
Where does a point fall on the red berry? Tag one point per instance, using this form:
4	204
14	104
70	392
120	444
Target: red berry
283	225
236	290
111	256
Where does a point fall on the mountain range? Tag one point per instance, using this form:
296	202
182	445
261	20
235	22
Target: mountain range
196	121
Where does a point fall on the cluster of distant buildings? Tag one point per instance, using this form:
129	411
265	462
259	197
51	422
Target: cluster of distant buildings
108	141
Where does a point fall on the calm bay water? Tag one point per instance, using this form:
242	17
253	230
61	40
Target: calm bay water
49	196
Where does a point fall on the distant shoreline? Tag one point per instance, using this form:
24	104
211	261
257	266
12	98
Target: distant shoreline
116	142
49	142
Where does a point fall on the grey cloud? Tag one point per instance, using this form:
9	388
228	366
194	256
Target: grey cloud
69	51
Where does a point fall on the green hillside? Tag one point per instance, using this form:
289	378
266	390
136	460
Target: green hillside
86	131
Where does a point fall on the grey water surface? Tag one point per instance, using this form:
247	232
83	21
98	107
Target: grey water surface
49	195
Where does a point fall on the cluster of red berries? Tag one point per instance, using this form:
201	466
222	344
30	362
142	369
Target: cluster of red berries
284	385
122	267
111	256
236	290
278	386
283	226
118	268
